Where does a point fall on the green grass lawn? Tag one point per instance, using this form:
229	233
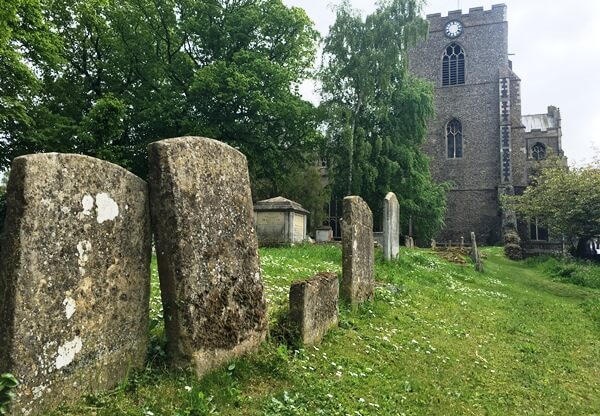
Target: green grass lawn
440	339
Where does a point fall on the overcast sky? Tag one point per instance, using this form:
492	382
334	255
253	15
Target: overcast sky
556	47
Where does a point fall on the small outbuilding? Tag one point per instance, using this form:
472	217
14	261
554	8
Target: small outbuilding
279	221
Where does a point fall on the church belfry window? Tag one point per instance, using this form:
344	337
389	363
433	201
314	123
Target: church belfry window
454	139
538	151
453	65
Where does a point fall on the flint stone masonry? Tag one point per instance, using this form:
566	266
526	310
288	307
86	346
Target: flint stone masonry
207	250
74	278
391	226
314	306
357	251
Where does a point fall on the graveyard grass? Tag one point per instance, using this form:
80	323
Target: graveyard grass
440	339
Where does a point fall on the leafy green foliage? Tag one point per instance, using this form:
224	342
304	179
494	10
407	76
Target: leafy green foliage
566	200
376	114
301	183
575	271
135	71
8	382
26	44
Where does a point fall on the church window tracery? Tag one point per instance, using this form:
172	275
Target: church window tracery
453	65
538	151
454	139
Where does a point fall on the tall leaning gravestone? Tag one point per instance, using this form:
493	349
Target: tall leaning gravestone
357	251
74	278
207	250
391	226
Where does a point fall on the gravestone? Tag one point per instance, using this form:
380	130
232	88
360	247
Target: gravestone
357	251
433	244
207	250
475	254
391	226
314	306
74	278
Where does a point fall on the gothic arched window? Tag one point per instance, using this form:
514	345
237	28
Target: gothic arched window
538	151
453	65
454	138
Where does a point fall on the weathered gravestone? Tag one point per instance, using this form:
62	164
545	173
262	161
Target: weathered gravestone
74	278
314	306
357	251
391	226
475	254
207	251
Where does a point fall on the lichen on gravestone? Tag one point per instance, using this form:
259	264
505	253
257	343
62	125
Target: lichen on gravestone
313	306
212	292
358	262
74	278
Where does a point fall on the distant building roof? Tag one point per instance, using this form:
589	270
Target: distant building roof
279	203
541	122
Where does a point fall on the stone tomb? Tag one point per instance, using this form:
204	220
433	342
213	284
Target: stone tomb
323	234
357	251
391	226
74	278
280	221
214	305
314	306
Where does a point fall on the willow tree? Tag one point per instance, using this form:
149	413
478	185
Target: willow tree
376	113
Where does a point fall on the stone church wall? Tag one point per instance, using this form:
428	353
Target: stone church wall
473	202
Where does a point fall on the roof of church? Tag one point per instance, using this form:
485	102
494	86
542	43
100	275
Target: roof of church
279	203
541	122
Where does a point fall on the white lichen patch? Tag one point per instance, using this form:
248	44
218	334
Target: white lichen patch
38	390
67	352
83	248
88	204
70	306
107	208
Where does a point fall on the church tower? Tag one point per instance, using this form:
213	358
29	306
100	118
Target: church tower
475	140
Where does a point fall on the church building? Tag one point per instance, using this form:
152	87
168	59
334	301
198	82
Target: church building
478	140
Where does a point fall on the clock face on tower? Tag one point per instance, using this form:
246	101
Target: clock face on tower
453	29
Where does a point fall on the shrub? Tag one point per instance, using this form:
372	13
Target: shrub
513	251
511	237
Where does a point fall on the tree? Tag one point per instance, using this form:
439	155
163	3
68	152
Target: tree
136	71
27	45
376	113
565	200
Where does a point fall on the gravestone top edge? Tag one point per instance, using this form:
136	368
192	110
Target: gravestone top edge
35	157
390	196
183	140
